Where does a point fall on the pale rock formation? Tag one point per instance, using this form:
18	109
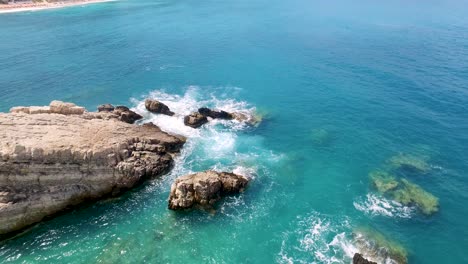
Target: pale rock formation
204	188
53	160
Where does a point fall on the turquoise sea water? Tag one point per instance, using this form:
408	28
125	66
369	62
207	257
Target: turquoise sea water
343	86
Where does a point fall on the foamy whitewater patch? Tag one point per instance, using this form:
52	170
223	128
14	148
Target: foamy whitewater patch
322	239
374	204
188	103
317	239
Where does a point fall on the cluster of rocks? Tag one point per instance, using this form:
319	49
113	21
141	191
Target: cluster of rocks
56	157
200	117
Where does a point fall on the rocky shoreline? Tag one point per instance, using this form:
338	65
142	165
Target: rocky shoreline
59	156
56	157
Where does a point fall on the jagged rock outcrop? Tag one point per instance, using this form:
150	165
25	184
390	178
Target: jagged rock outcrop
204	114
126	115
204	188
54	160
157	107
195	120
215	114
359	259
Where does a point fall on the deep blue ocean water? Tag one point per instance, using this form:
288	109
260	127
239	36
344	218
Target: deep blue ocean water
342	86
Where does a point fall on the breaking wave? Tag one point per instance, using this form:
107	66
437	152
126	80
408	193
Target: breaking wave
374	205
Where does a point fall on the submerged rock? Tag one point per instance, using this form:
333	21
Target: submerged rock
204	188
195	120
320	137
157	107
412	194
375	245
359	259
50	162
215	114
410	163
383	181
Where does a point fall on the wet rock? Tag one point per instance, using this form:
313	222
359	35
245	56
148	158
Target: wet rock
126	115
204	188
215	114
370	242
359	259
248	119
157	107
410	163
106	108
195	120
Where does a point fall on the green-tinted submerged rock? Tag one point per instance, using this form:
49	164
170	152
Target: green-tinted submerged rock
383	181
410	163
411	193
377	246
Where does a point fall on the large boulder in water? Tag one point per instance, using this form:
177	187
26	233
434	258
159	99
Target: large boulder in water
157	107
204	188
215	114
359	259
195	120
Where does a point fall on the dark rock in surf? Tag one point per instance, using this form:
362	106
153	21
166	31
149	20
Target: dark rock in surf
126	115
204	189
215	114
359	259
157	107
195	120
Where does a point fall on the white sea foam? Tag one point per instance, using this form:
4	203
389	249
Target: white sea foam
317	239
188	103
377	205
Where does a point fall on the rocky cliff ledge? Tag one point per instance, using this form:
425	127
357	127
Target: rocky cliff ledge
55	157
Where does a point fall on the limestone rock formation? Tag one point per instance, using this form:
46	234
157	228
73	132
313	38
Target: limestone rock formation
359	259
204	188
56	159
195	120
55	107
157	107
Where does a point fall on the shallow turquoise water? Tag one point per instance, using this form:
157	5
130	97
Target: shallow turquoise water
343	86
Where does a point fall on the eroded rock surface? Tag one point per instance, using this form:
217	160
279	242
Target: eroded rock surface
157	107
204	188
53	160
195	120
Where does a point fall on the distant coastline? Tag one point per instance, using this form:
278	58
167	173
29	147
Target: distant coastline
31	6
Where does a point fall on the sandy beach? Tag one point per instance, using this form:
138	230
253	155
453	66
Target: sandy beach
21	7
